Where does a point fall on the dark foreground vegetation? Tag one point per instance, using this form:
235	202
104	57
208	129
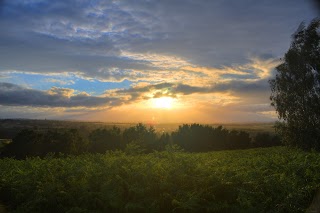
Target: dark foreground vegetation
275	179
192	138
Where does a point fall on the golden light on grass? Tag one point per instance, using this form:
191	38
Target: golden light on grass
163	102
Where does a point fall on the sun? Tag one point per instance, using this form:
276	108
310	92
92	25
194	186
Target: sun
163	102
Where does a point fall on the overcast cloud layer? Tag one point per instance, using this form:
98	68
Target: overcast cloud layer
187	50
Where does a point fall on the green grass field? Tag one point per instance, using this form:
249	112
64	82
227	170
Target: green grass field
275	179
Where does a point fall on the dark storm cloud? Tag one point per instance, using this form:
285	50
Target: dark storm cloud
212	33
92	58
14	95
316	4
86	36
62	36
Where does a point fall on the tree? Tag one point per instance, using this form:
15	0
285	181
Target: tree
145	137
105	139
74	143
265	139
296	89
26	143
203	138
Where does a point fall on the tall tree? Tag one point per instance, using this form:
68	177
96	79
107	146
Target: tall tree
296	89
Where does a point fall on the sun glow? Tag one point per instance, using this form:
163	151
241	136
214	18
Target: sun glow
163	102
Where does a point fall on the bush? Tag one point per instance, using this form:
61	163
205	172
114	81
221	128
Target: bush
257	180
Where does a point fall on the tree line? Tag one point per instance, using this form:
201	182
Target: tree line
295	89
139	138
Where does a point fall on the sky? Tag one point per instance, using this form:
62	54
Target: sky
150	61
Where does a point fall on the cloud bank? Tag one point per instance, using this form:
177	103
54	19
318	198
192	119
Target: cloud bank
111	54
14	95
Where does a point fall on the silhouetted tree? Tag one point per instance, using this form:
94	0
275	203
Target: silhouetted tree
194	137
220	137
37	143
265	139
163	141
145	137
296	89
199	138
26	143
74	143
105	139
68	141
244	141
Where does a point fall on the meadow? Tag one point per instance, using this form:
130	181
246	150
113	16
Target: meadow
276	179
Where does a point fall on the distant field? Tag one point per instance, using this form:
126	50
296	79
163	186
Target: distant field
10	127
258	180
249	127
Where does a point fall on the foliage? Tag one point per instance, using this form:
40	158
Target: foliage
133	149
145	137
105	139
264	139
257	180
200	138
296	89
134	140
35	143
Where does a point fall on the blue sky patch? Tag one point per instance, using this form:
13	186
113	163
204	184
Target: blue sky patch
45	82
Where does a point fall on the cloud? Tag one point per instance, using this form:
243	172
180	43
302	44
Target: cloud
196	104
14	95
59	81
235	87
157	60
172	48
116	40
